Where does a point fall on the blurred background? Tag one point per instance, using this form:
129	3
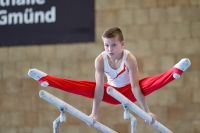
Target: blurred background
158	32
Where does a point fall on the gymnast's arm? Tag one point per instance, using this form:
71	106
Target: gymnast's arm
133	71
99	89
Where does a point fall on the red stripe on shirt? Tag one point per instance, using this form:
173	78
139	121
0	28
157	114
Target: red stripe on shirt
124	69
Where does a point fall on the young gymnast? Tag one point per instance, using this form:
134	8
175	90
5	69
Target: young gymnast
120	67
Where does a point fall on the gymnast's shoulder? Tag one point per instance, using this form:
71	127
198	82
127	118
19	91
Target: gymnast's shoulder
131	61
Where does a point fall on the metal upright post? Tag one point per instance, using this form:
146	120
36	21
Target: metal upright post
56	125
128	116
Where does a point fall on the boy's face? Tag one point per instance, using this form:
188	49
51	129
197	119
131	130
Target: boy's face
113	47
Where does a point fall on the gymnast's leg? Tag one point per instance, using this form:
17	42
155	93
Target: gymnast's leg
79	87
150	84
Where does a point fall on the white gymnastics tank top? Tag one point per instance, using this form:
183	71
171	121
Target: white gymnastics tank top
117	78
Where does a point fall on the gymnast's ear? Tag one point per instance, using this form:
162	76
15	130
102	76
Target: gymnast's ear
122	43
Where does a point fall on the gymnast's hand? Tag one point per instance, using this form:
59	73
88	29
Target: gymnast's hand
153	118
94	118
